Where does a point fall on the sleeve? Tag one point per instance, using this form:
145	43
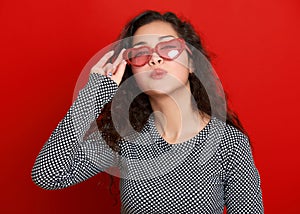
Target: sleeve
66	159
242	186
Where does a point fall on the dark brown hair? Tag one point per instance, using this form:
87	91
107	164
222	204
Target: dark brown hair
140	109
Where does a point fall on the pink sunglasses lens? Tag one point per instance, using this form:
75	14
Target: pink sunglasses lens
138	56
170	50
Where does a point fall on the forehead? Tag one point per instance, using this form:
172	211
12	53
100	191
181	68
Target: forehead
151	32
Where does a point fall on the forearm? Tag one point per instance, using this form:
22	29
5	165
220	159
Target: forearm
66	158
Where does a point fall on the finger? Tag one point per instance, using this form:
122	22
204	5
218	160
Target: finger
104	59
119	58
98	67
108	68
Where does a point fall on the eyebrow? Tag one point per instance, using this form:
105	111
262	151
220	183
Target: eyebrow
159	38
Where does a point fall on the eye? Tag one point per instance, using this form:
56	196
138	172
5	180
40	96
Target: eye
168	47
141	53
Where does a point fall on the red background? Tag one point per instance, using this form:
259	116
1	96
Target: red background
45	45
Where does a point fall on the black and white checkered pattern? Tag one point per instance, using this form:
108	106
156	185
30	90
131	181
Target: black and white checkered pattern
156	177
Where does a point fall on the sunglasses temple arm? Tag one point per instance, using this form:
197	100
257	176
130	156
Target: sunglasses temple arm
188	49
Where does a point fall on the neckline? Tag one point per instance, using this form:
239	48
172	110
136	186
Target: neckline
202	134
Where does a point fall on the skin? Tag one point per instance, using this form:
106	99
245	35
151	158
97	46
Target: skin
177	70
170	97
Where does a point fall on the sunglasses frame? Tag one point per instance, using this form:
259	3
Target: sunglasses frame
156	50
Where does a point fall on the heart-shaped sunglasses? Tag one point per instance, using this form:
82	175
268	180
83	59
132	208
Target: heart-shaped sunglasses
168	50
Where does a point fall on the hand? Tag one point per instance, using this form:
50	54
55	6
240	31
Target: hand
114	70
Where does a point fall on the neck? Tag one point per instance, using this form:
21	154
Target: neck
175	118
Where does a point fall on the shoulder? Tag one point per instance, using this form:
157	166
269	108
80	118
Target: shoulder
233	143
229	135
235	155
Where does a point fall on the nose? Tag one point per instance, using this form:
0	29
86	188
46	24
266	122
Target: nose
155	59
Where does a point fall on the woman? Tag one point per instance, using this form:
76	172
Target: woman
180	149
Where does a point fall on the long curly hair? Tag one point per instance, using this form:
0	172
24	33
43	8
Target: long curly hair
140	108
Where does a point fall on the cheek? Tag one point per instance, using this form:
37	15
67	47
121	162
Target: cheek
180	72
136	70
183	75
141	77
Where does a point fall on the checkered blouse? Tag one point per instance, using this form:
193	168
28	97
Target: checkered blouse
213	169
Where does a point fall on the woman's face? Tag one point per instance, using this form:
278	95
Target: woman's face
160	76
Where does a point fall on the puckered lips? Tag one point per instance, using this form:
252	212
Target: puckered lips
158	73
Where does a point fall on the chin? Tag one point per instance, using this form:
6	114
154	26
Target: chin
165	89
163	86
